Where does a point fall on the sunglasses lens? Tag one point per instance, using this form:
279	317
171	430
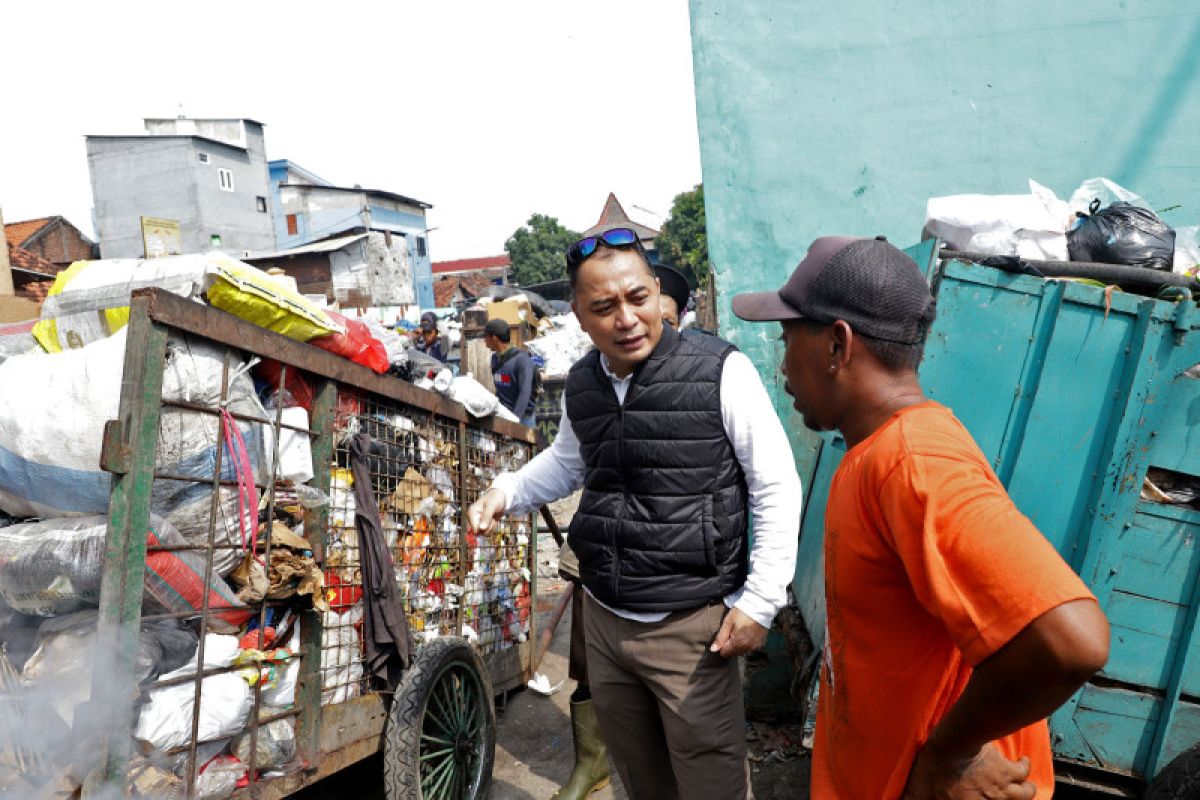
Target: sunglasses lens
619	236
581	250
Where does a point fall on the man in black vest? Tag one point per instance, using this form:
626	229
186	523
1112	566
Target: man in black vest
676	444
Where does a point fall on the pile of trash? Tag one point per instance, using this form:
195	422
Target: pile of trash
415	484
1102	222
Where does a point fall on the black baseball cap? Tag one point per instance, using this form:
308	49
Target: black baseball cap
673	284
498	328
871	284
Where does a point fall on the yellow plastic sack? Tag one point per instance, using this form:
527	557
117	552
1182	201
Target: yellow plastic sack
46	330
254	296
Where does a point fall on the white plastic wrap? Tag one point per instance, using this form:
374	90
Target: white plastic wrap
1030	225
225	701
562	346
341	665
471	393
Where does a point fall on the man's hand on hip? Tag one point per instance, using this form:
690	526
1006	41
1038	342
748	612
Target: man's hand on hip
485	511
987	774
739	634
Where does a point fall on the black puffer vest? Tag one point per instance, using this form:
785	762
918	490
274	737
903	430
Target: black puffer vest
662	523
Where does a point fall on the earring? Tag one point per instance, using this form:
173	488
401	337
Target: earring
833	367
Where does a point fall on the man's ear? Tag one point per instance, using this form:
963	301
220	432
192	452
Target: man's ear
842	343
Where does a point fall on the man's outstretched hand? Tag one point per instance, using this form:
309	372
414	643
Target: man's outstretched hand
739	634
987	774
484	512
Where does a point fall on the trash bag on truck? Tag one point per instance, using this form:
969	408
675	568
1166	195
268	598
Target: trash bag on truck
225	701
52	415
89	300
1122	233
52	567
60	669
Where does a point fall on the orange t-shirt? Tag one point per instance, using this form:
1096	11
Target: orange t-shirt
929	569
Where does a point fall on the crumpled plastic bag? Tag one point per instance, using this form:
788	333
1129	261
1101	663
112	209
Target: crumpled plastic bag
218	778
275	746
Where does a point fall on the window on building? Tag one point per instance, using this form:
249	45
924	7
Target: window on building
420	246
214	239
261	204
225	179
291	225
203	157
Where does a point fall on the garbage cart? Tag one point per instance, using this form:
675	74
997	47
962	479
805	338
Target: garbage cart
255	483
1087	401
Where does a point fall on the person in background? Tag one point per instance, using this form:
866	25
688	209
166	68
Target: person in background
676	443
953	627
673	294
427	339
513	371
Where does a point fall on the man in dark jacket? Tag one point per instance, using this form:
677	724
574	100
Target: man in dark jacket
513	371
676	444
427	339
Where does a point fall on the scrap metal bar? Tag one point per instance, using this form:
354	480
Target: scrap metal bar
316	527
121	588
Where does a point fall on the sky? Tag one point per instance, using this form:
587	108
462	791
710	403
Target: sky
489	111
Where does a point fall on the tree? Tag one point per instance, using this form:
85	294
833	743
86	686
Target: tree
683	242
536	250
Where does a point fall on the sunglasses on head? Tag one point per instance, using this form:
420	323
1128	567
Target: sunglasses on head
617	237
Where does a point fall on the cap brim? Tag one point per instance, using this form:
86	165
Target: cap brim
763	307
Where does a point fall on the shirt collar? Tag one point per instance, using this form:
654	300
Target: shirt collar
608	371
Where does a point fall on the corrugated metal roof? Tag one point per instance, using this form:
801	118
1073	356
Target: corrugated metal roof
390	195
326	246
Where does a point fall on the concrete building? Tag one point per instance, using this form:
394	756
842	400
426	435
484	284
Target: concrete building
360	270
52	238
309	209
208	175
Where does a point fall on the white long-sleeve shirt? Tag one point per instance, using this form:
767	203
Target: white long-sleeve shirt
762	449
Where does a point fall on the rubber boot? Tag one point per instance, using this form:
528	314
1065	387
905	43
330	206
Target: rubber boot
591	771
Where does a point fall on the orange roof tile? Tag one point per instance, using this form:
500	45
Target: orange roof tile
464	264
20	258
21	232
34	290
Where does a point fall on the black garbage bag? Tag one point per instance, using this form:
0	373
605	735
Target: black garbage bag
1122	234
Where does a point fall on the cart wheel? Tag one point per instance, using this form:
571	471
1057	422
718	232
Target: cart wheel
441	733
1179	780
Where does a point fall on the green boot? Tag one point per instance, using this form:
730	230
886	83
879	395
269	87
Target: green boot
591	771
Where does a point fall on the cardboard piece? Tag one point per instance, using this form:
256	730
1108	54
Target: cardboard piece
514	311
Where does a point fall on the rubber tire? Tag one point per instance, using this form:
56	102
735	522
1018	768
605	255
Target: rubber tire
1180	780
401	746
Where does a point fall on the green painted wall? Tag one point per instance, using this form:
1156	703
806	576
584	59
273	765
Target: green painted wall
844	118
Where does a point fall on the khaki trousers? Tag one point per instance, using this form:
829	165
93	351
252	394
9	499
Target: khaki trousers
671	711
